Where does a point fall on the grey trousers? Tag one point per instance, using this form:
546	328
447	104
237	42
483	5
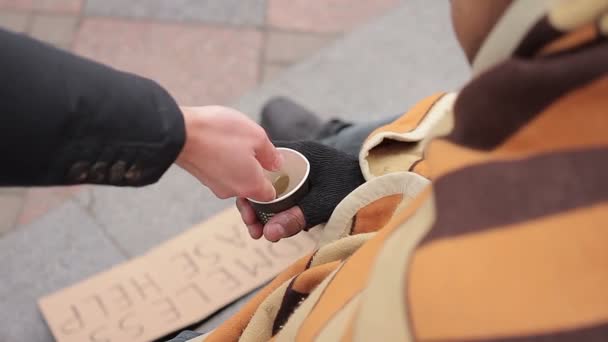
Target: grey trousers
185	336
350	139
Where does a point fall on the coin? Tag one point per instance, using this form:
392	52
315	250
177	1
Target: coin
281	184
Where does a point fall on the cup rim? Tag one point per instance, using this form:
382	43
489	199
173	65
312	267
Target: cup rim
302	181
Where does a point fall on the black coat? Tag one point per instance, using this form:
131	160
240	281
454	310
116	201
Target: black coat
67	120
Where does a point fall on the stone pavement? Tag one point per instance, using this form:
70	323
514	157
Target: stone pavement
203	51
378	69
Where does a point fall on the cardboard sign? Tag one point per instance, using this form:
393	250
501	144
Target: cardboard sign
172	286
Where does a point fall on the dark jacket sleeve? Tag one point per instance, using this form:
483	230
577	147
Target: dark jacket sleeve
68	120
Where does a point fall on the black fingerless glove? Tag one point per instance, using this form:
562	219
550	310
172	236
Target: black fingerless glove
333	175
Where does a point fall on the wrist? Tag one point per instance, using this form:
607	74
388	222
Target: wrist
190	124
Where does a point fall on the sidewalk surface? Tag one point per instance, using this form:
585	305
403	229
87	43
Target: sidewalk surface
357	59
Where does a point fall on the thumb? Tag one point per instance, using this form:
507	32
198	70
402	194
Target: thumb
268	156
285	224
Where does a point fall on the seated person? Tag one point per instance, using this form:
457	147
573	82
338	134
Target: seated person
509	242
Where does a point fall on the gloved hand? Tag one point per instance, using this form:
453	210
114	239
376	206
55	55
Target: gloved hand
333	175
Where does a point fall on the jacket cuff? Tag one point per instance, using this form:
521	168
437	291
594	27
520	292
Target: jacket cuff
151	137
155	160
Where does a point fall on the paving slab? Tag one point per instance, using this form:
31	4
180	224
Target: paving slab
40	200
290	47
377	70
62	248
10	206
325	15
237	12
196	63
58	6
56	29
14	21
138	219
272	70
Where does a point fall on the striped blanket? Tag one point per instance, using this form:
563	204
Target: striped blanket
485	213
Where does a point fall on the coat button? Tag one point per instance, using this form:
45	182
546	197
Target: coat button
98	172
79	172
133	175
117	172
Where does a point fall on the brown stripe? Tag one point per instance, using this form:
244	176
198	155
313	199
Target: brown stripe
500	101
557	128
291	300
353	224
309	262
596	333
298	290
488	195
415	164
539	35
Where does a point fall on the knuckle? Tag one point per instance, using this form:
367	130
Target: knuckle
297	220
259	136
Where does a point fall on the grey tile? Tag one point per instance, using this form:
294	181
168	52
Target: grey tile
10	207
56	251
380	69
141	218
272	70
14	21
289	47
55	29
236	12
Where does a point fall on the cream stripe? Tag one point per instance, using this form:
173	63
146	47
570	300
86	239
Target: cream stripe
571	14
382	315
509	32
334	330
292	327
340	249
407	183
438	111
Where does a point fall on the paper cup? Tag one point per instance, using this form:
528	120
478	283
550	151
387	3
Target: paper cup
297	168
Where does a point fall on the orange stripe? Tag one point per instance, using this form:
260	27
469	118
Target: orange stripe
352	277
422	168
412	118
376	214
530	278
558	127
310	278
573	39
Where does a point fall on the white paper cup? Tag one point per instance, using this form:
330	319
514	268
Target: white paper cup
297	168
